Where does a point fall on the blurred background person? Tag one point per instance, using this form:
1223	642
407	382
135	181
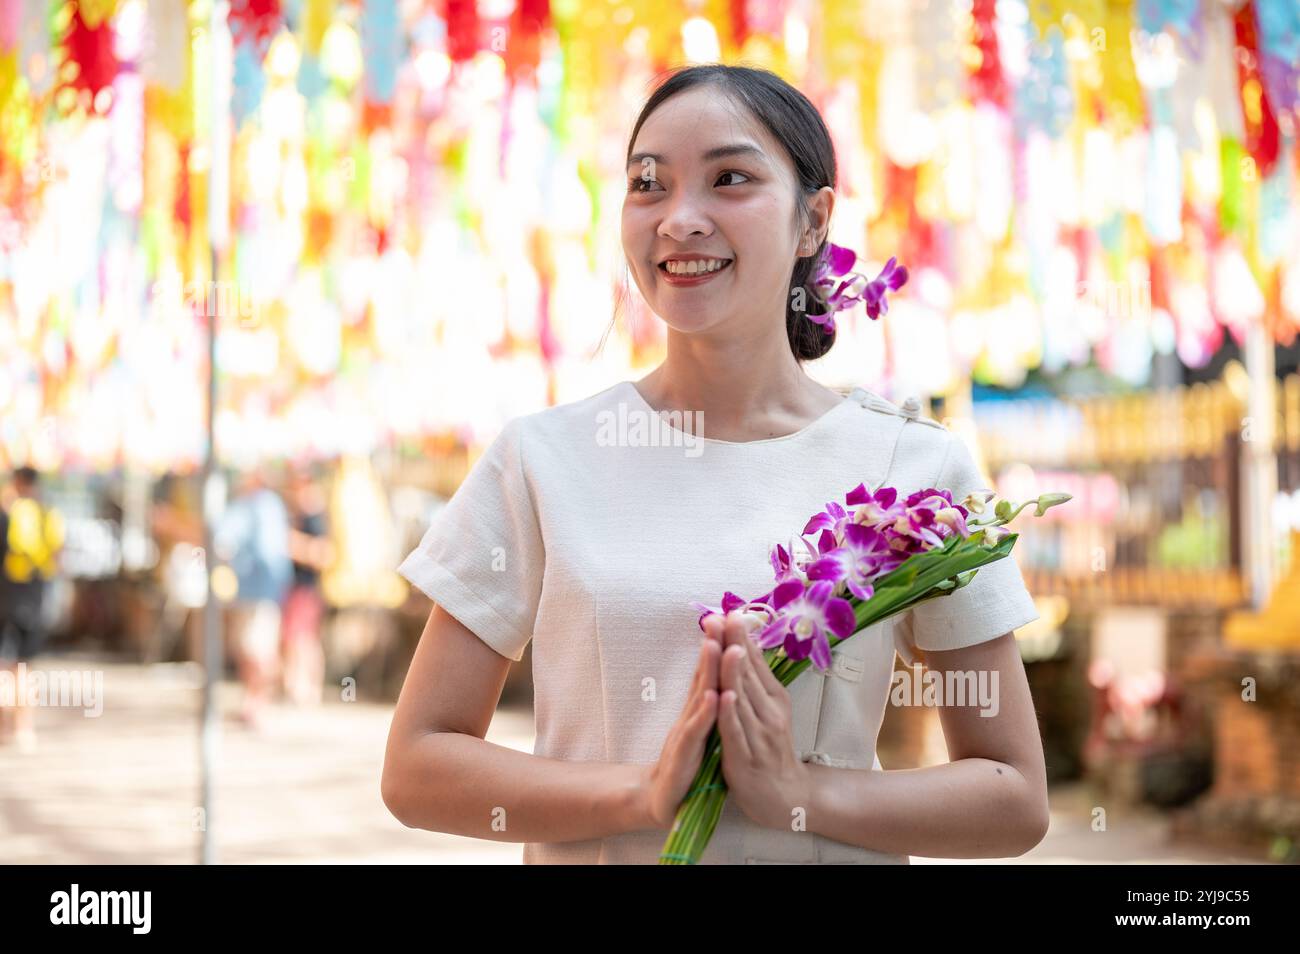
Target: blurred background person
252	538
31	536
312	552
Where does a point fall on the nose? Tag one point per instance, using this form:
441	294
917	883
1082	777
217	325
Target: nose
684	218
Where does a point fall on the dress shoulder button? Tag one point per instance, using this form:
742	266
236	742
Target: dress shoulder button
911	409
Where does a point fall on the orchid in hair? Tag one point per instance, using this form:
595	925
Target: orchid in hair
840	287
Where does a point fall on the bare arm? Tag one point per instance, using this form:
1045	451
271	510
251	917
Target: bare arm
990	801
440	774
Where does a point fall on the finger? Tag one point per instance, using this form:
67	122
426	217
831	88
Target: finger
714	667
765	706
701	667
713	628
749	718
735	746
763	669
706	714
745	680
712	635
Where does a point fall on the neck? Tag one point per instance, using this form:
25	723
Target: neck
732	381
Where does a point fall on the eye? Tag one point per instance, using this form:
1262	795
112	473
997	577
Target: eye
733	172
635	183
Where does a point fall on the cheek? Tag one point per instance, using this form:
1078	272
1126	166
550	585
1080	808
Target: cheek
753	226
636	240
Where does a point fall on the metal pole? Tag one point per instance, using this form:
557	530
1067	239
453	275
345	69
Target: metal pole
219	52
1259	460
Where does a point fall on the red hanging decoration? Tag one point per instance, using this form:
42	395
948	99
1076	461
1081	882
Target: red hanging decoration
523	48
254	21
739	21
462	29
987	81
91	49
1257	111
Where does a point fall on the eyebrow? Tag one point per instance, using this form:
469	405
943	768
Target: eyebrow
717	152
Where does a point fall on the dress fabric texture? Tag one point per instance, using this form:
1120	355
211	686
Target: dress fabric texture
588	528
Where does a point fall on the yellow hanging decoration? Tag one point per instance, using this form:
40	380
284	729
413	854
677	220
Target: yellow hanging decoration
95	12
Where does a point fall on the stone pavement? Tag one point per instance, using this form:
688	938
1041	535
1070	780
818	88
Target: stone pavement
123	787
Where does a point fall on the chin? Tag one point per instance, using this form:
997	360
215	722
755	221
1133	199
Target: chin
687	321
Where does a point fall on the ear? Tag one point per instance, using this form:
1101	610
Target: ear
820	206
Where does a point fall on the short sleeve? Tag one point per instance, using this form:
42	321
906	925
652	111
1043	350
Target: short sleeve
993	603
482	558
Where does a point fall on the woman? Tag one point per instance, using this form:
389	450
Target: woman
590	534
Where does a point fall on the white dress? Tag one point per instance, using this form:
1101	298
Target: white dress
589	533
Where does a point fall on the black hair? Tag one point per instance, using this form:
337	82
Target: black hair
797	125
26	475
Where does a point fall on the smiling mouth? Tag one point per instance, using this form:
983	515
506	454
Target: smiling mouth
663	267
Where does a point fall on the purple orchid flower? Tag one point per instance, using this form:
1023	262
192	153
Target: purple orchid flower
835	281
785	566
877	509
866	554
804	618
948	514
833	518
892	277
931	516
730	601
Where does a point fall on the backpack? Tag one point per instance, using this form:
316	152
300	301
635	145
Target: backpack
33	538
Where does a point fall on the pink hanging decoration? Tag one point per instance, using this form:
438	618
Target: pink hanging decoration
10	24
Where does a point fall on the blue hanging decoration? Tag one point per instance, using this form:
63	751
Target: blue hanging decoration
1044	100
382	47
249	80
1277	24
1181	17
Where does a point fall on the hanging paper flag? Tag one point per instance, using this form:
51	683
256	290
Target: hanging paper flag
1278	28
382	45
254	20
527	24
166	56
253	24
462	29
1182	18
11	12
96	12
1121	93
738	22
1044	100
249	80
987	81
1261	125
939	46
90	63
316	16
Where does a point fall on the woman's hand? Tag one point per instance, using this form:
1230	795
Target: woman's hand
755	720
666	782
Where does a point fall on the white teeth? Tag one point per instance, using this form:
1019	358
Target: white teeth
695	267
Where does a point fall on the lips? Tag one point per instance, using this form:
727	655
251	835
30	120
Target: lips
687	278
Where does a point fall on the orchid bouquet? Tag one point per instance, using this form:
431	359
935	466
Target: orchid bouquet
873	559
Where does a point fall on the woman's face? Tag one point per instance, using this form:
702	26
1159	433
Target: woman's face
707	181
